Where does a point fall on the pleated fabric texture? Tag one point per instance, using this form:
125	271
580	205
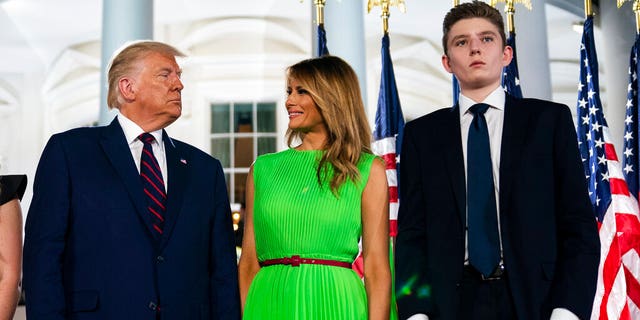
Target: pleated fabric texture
294	215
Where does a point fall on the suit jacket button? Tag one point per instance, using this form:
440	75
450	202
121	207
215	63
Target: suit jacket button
153	306
160	259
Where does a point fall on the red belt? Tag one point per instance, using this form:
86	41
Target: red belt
296	261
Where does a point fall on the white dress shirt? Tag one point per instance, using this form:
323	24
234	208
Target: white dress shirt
131	133
495	123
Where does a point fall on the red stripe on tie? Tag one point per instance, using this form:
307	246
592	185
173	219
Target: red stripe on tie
610	152
154	199
155	163
618	186
154	185
155	173
157	228
156	213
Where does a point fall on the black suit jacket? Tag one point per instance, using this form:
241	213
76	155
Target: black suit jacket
549	234
89	249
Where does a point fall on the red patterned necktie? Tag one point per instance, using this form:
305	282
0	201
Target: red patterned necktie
151	177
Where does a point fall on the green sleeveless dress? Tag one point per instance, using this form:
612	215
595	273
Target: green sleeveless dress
294	215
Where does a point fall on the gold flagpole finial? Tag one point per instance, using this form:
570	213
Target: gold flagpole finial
456	3
525	3
588	11
510	10
319	11
385	5
621	2
636	10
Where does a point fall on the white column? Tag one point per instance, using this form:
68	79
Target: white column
533	50
122	21
618	34
344	23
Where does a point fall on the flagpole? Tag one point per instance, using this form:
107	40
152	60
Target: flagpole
636	10
319	11
456	3
588	11
510	10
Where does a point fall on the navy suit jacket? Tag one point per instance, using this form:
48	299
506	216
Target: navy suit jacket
89	250
549	234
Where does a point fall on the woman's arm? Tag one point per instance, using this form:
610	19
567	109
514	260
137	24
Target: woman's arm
375	242
248	265
10	257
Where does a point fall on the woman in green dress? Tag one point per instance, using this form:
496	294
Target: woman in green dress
308	206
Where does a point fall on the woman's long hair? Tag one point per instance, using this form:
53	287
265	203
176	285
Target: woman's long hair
334	88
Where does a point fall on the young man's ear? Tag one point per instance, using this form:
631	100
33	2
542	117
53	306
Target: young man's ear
507	55
446	63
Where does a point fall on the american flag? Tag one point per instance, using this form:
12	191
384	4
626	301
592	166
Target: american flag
322	41
511	76
631	143
387	136
388	131
615	209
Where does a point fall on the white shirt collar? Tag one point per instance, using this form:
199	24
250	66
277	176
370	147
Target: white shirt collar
495	99
132	130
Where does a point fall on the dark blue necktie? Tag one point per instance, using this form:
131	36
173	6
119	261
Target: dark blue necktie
151	177
484	242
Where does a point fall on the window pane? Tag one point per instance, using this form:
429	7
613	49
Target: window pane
243	152
241	180
220	118
243	117
266	117
220	150
266	145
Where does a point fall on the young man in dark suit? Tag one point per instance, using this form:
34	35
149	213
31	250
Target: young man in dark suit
126	222
495	220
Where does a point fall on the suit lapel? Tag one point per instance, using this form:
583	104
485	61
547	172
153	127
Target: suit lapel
115	146
514	131
177	178
454	159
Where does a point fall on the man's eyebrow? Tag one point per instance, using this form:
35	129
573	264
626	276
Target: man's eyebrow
489	32
460	36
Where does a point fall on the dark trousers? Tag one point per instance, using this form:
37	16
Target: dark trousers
485	299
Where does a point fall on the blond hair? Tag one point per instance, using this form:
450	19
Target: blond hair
125	59
333	86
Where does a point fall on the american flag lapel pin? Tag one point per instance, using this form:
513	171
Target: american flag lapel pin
183	161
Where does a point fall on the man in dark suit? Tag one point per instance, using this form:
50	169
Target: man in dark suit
126	222
495	221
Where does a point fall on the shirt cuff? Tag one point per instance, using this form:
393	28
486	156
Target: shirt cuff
419	316
563	314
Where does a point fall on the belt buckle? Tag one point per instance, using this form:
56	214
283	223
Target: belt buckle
496	274
295	261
